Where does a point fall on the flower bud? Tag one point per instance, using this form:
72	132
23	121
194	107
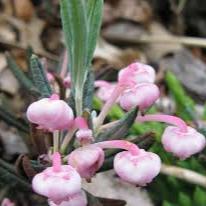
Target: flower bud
50	113
182	144
57	182
67	81
137	169
142	96
136	73
84	136
86	160
105	89
78	199
50	77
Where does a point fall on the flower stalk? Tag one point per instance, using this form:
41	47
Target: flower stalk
67	140
107	106
164	118
119	144
56	141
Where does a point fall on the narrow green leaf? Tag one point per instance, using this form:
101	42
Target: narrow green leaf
184	103
184	200
88	91
19	74
9	177
165	203
94	17
74	21
12	120
199	197
92	200
120	129
39	77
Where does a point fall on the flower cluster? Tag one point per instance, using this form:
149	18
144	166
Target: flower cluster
61	183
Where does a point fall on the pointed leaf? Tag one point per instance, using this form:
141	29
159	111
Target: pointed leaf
39	77
12	120
73	15
120	129
19	74
184	102
92	200
199	197
94	17
184	199
9	177
88	91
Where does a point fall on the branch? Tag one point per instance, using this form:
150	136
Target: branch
187	41
184	174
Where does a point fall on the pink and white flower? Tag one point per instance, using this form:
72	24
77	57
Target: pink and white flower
58	182
182	144
139	169
142	95
136	73
50	113
105	89
78	199
135	165
86	160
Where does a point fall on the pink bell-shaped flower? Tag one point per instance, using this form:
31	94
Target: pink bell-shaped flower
58	182
105	89
78	199
136	73
138	169
86	160
182	143
142	95
50	113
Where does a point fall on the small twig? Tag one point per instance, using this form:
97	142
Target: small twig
184	174
187	41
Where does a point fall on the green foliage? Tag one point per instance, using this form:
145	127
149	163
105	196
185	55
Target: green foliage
117	113
12	120
81	22
93	201
9	177
74	21
39	77
19	74
120	128
94	16
7	115
199	197
88	91
165	203
184	199
185	104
